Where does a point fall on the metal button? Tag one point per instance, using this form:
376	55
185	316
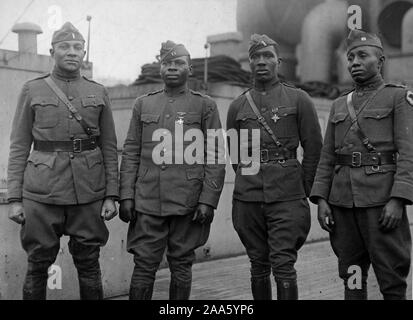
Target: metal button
70	98
70	116
163	167
167	116
72	156
171	100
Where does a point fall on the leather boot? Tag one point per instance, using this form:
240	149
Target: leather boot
261	288
287	290
35	282
179	290
141	293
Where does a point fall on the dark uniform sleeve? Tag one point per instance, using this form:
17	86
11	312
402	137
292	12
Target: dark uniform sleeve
131	155
109	149
310	138
232	124
214	173
20	143
403	137
325	169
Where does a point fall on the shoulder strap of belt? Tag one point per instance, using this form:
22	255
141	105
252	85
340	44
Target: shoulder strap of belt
261	119
60	94
354	118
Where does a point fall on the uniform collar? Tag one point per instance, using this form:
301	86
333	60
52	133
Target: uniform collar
172	92
267	86
372	84
64	75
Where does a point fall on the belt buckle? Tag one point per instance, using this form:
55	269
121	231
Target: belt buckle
356	159
77	145
267	156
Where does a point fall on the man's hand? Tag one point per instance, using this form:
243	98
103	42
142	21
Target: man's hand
203	214
16	212
108	209
392	214
127	210
325	218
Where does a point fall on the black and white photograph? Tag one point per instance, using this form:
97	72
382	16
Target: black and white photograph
219	151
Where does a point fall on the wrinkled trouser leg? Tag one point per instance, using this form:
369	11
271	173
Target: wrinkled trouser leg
88	232
350	248
40	238
272	234
288	224
390	252
147	240
185	236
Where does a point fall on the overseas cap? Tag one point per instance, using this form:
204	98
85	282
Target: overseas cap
258	42
67	33
170	50
357	38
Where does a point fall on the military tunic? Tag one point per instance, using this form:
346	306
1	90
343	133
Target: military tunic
296	123
62	178
169	188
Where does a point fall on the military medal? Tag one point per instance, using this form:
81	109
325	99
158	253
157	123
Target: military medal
275	117
181	116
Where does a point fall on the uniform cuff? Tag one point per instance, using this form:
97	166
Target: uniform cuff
319	190
209	199
402	190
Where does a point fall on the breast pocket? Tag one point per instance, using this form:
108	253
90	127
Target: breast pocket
377	124
150	122
46	110
91	110
286	123
190	121
247	121
340	125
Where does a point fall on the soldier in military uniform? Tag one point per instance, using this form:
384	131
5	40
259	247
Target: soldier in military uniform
365	176
68	184
168	205
270	211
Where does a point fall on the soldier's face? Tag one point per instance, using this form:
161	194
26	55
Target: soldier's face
68	55
364	63
175	72
264	64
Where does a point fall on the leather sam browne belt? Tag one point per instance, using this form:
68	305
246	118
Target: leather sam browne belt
75	145
267	155
358	159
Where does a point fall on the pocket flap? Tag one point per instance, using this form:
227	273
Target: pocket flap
245	116
92	102
285	111
93	158
149	117
338	117
380	169
192	118
195	173
45	101
45	158
377	113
